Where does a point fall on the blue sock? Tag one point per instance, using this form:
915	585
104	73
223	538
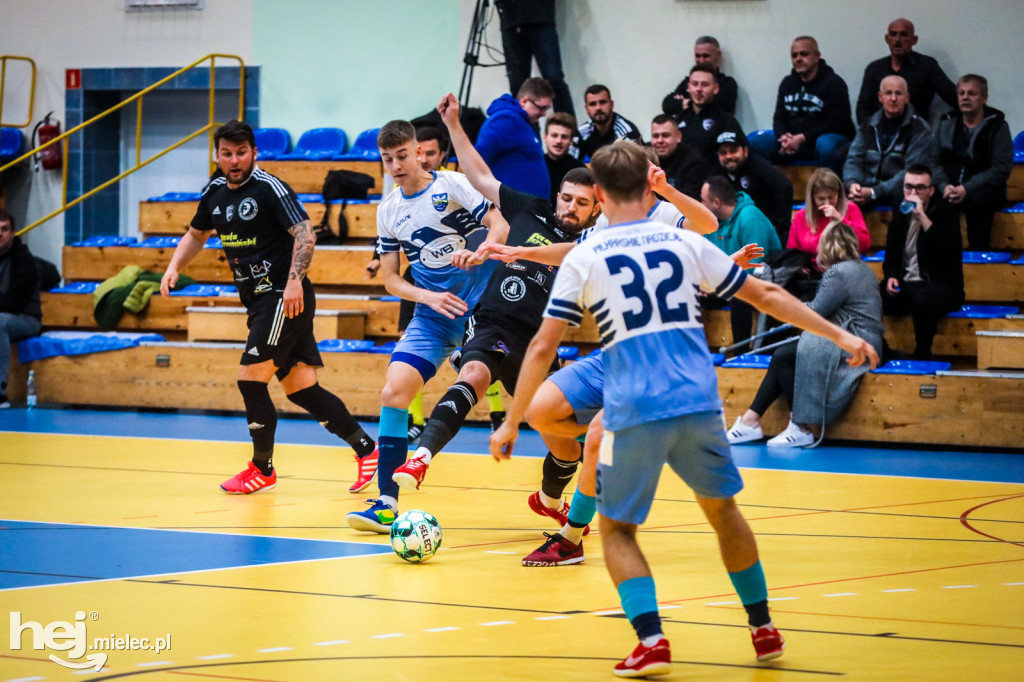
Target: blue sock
753	591
640	603
393	439
582	509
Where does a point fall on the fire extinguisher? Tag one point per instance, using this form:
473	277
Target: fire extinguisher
45	131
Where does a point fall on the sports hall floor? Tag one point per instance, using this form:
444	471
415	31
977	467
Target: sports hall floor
882	564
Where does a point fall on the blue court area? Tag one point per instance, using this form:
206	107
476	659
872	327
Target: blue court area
36	554
869	459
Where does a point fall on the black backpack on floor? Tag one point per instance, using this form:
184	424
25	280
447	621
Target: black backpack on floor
344	185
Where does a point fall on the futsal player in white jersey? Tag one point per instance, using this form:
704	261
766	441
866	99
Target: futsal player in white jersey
437	219
661	397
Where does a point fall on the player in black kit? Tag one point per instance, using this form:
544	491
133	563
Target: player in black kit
510	310
268	242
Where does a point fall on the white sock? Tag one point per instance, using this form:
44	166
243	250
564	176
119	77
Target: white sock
389	501
652	640
755	628
424	454
572	534
554	503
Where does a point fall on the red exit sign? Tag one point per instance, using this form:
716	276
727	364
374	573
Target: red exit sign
73	79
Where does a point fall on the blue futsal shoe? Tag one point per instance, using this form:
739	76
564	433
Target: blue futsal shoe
377	519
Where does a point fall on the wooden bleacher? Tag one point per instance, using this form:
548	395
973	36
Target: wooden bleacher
222	323
308	176
173	217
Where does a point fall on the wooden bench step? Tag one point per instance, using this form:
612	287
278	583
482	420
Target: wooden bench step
308	176
207	323
799	175
1003	349
990	282
174	217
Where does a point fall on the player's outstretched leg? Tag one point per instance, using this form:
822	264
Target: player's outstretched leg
496	406
330	411
739	554
261	416
632	577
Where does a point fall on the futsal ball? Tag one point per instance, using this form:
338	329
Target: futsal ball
415	536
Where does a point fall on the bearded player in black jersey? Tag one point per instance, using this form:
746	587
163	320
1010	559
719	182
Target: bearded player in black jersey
509	312
268	242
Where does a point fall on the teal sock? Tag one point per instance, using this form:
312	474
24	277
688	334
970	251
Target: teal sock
750	584
637	596
582	509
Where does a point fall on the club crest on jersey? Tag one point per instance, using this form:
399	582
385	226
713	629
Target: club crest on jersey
707	123
513	289
440	201
229	213
435	247
248	209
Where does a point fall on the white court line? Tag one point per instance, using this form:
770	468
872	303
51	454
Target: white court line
154	664
669	607
389	635
840	594
498	622
956	587
1013	583
612	612
274	650
25	679
904	589
332	642
783	598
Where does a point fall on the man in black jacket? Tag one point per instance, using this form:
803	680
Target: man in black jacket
20	310
976	154
684	168
925	78
769	187
705	51
812	112
704	119
923	270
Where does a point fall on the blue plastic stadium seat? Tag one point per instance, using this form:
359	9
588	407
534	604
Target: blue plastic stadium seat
346	346
1018	148
107	240
11	142
206	290
51	344
568	353
985	312
748	361
76	288
158	243
364	148
1019	261
177	196
384	348
272	143
389	298
308	198
717	358
876	257
213	243
758	134
986	257
912	367
319	144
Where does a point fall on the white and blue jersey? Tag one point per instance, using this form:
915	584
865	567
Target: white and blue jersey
640	282
661	212
430	226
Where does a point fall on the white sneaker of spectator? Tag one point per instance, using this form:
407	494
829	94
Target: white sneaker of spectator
792	437
741	433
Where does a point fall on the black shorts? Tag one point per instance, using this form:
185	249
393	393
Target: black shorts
499	344
286	341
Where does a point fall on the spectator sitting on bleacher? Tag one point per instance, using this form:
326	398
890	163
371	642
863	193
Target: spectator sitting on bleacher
705	51
20	309
770	188
976	155
826	205
812	112
433	147
888	142
812	374
604	127
559	129
924	77
704	119
923	270
508	140
740	222
685	169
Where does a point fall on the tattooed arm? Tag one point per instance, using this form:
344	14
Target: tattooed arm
302	257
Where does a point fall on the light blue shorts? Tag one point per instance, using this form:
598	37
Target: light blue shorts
582	384
631	459
428	341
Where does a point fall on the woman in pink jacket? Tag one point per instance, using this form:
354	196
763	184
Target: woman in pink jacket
826	205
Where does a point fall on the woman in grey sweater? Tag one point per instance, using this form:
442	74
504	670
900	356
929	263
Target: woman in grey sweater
811	374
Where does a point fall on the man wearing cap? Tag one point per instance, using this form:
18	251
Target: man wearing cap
684	168
770	188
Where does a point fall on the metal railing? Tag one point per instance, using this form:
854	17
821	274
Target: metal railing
139	163
3	89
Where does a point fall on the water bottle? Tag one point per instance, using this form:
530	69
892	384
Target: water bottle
907	207
31	395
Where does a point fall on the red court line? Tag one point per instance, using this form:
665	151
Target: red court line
910	504
968	526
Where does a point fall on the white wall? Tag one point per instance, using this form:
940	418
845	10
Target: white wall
65	34
641	50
